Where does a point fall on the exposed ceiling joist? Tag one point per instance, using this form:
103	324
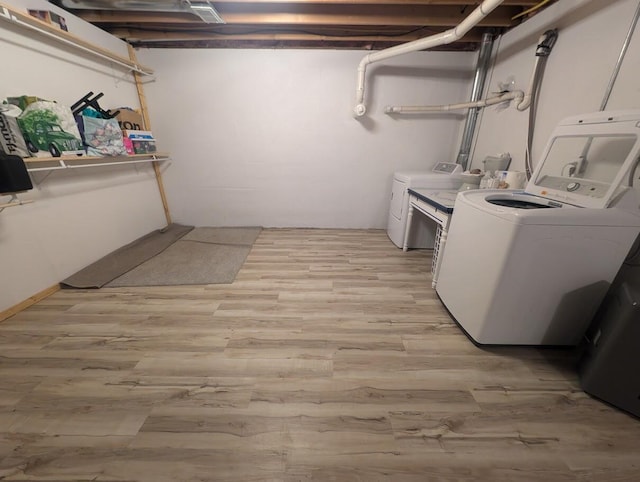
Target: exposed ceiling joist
378	15
359	24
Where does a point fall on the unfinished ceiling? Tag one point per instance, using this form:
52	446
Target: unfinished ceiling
332	24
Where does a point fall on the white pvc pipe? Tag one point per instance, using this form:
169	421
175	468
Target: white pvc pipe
526	102
447	37
523	101
518	95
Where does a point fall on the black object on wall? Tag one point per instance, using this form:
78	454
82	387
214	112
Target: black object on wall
13	174
87	101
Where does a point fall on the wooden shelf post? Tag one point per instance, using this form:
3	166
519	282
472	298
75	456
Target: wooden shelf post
147	126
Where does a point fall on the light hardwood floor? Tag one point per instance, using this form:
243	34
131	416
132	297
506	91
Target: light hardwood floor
328	359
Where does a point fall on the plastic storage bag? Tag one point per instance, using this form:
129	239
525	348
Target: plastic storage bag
11	140
48	126
102	137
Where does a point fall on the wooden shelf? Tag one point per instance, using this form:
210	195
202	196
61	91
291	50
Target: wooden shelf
74	162
23	19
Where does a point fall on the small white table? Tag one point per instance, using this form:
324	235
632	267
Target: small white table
437	205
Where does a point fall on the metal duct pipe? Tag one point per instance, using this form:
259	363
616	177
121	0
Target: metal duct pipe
482	67
623	52
202	8
447	37
582	166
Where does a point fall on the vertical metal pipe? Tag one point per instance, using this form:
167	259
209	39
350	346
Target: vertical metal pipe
607	93
482	68
623	52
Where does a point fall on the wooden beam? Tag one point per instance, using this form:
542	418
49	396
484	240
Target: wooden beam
436	16
97	159
147	125
28	302
457	3
146	36
304	45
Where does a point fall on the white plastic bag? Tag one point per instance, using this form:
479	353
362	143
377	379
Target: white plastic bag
103	137
11	140
48	126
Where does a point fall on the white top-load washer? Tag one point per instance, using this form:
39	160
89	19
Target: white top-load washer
531	267
444	175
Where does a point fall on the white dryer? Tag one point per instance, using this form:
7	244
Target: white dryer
531	267
444	175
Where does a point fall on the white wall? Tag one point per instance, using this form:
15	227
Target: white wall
266	137
591	34
78	215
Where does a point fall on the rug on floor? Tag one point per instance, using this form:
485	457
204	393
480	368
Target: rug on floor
124	259
203	256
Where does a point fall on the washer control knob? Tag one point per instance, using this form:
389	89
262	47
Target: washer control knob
572	186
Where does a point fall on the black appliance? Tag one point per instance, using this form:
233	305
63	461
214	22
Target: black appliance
13	174
610	363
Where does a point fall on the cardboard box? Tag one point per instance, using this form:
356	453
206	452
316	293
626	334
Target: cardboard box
141	146
141	141
129	119
138	134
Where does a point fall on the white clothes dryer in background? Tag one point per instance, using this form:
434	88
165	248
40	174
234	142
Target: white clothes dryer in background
444	175
531	267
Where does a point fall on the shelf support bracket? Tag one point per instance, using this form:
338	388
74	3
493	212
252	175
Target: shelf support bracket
13	201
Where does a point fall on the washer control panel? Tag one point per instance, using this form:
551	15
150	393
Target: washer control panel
584	187
447	168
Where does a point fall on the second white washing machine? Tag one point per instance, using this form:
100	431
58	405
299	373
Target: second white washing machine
444	175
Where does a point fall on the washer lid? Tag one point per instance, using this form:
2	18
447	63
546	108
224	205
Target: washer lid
406	176
441	169
428	179
519	202
588	158
518	207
